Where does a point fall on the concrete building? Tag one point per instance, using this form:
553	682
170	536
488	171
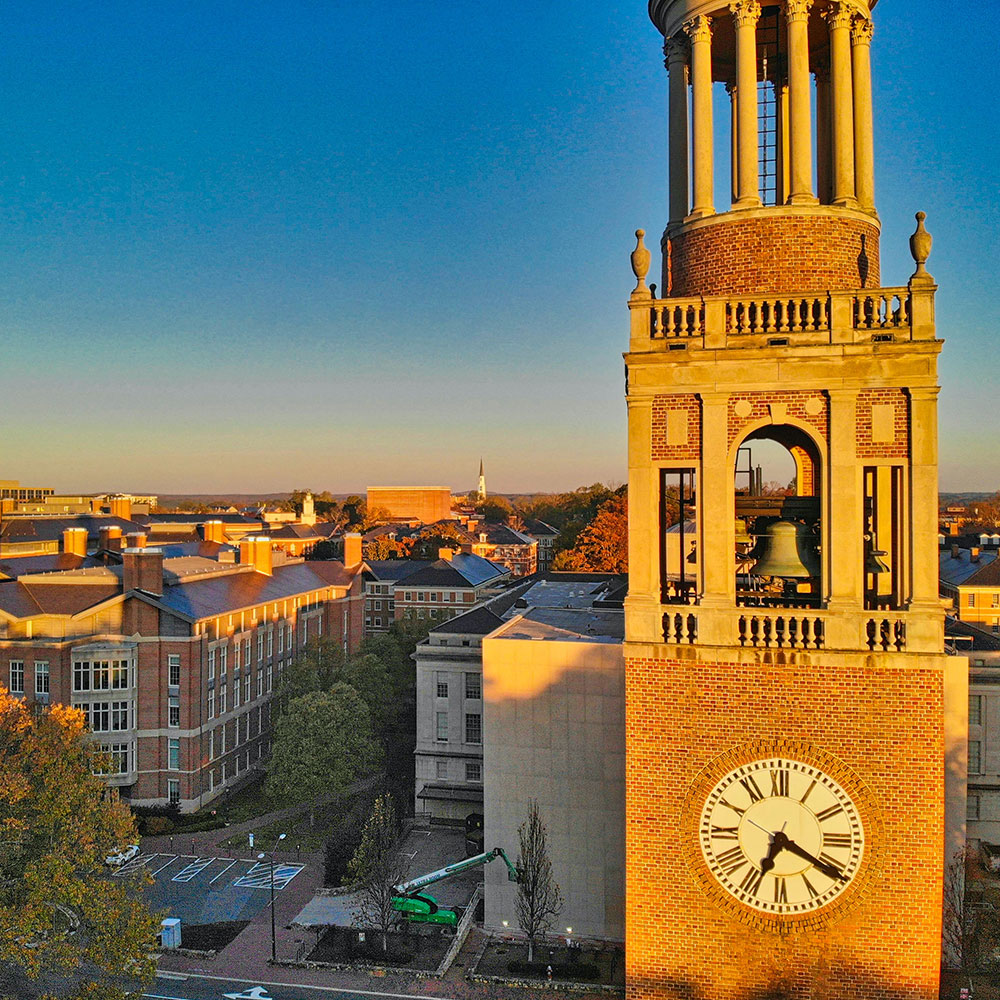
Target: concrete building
172	660
424	504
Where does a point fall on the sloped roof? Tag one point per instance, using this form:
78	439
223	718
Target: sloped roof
479	621
388	570
25	600
12	567
962	570
47	529
539	529
462	570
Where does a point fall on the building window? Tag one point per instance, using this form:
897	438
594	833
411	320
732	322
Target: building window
81	676
260	682
236	692
281	639
174	669
972	600
223	651
246	687
246	652
433	613
378	621
100	717
473	727
222	700
211	704
174	790
173	711
378	605
975	757
269	678
972	806
473	770
260	647
119	716
390	605
119	754
442	727
996	600
236	655
270	643
211	664
442	685
173	755
975	709
41	676
17	676
473	686
119	674
441	770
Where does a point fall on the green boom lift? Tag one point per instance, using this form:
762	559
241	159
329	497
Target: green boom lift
421	907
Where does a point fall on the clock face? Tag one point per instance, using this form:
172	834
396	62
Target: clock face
781	836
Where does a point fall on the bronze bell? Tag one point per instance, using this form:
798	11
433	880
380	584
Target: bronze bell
787	549
874	562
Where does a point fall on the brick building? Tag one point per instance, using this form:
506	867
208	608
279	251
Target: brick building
173	660
423	504
447	587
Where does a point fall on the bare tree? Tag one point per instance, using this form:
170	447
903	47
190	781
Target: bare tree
539	901
378	866
971	927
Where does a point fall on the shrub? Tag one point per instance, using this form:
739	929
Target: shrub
152	826
578	972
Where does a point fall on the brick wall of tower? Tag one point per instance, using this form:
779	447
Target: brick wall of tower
773	255
883	722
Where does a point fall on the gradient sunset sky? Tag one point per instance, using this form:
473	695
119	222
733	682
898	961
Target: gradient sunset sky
259	246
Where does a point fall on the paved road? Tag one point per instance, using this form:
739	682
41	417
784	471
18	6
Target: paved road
222	988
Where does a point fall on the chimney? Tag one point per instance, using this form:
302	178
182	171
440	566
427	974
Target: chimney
974	554
255	551
446	554
110	538
467	548
213	531
352	549
956	552
136	539
75	541
121	507
142	569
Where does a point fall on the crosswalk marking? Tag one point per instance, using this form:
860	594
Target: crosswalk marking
259	876
189	871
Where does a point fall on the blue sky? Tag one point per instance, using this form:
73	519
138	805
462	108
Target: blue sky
259	246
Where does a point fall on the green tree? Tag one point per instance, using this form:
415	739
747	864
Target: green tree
539	900
59	912
495	509
316	668
369	676
322	742
378	867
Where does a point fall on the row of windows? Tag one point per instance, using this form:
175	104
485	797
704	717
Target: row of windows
975	802
220	654
217	743
473	727
473	685
377	605
100	675
975	709
41	677
121	758
106	716
994	600
473	770
445	597
244	690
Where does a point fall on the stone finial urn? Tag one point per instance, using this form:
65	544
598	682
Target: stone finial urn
920	249
640	262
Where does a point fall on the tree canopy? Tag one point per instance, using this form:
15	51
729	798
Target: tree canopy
59	910
602	546
323	741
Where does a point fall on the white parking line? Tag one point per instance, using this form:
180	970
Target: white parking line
139	862
173	858
223	872
189	871
261	876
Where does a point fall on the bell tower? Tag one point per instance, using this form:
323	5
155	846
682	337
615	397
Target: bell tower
790	712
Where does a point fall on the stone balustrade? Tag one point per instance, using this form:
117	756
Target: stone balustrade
875	315
798	629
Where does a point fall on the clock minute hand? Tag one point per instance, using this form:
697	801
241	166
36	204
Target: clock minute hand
830	871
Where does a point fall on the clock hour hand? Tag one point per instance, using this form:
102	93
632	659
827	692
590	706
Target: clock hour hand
767	863
831	871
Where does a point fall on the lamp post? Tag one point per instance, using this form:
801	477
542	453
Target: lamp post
260	857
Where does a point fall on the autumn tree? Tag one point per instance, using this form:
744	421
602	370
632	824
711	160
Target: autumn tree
539	900
601	547
378	866
60	913
323	741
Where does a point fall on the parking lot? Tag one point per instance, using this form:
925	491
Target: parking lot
209	889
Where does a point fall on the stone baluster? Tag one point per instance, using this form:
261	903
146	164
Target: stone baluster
676	51
864	151
746	13
799	98
839	17
699	32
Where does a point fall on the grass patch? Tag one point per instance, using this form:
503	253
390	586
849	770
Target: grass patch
211	937
407	948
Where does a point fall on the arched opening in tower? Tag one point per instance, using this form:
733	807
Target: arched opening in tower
777	481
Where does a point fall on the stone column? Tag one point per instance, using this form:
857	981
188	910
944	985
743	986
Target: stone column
699	32
783	177
745	16
839	16
864	152
675	50
800	110
716	528
734	149
823	189
924	498
843	542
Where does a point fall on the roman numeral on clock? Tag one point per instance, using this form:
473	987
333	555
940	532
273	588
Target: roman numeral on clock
751	881
779	782
735	809
837	840
832	811
780	890
809	886
725	832
753	789
812	785
731	860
